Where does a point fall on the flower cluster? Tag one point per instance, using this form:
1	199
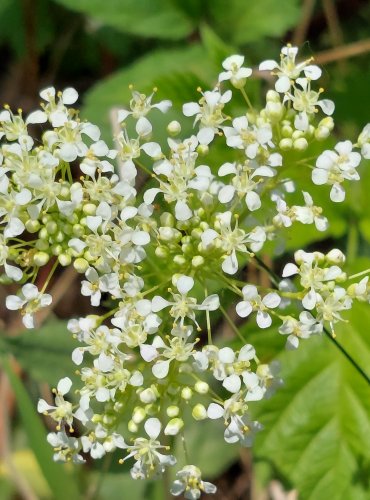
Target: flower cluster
153	363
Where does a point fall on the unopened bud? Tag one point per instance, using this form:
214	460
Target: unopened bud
174	426
174	128
201	387
173	411
199	412
335	256
186	393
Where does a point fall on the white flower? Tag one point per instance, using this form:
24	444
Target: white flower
234	71
302	329
306	101
208	112
29	302
141	105
311	214
149	461
333	167
62	412
253	302
364	141
182	305
189	480
248	137
288	69
67	448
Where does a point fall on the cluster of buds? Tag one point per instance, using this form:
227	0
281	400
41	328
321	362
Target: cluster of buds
153	365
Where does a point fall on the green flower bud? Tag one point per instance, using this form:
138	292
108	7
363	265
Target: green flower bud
43	234
197	261
41	258
286	144
173	411
147	396
51	227
81	265
167	219
138	415
179	260
174	426
59	237
186	393
300	144
42	245
64	259
201	387
89	209
56	249
32	226
174	128
78	230
202	149
335	256
132	427
199	412
161	252
286	131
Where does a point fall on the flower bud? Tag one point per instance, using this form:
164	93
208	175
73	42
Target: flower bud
201	387
272	96
138	415
89	209
322	133
32	226
335	256
174	128
174	426
286	144
286	131
132	427
78	230
64	259
202	149
300	144
199	412
167	219
81	265
186	393
179	260
173	411
197	261
56	249
161	252
147	396
52	227
41	258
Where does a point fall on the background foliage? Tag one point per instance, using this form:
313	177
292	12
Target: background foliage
317	428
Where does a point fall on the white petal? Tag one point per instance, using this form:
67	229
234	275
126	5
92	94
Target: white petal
263	319
319	176
327	106
268	65
246	353
153	427
226	194
243	309
312	71
36	117
190	108
309	300
226	169
230	264
232	383
159	303
182	211
271	300
150	194
160	369
205	135
77	355
282	84
152	149
211	303
289	270
148	352
208	236
69	96
64	385
215	411
253	201
143	126
143	307
140	238
43	406
337	193
226	355
184	284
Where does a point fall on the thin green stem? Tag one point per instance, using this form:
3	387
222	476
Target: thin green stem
247	100
55	265
232	324
347	355
357	275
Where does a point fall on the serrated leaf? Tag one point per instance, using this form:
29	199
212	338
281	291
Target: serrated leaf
241	22
44	353
317	427
147	18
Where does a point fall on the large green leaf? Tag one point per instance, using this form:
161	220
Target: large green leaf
44	353
241	21
61	483
317	427
147	18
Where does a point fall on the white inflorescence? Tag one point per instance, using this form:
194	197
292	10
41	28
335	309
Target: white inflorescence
149	367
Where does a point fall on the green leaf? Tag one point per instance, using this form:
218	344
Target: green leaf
147	18
61	483
44	353
240	21
317	427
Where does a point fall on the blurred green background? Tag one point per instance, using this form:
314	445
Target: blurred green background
317	428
